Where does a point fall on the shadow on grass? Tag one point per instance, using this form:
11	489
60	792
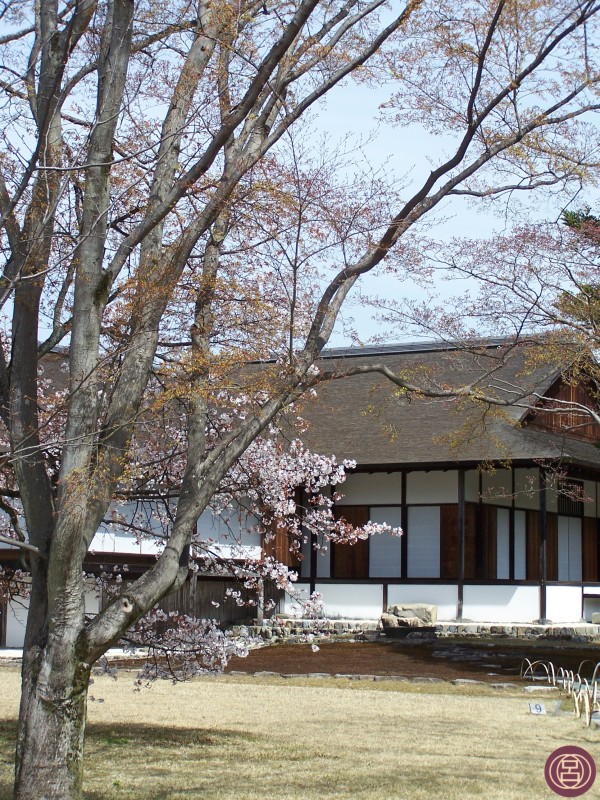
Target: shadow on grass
124	760
154	762
160	736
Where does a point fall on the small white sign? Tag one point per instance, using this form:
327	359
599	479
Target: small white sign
537	708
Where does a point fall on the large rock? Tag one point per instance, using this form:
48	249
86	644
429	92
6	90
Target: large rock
392	621
426	614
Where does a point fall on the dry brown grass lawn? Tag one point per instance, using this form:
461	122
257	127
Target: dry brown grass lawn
250	739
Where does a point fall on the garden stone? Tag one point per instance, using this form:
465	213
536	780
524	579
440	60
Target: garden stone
542	689
422	611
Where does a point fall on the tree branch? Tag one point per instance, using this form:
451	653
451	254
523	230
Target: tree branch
21	545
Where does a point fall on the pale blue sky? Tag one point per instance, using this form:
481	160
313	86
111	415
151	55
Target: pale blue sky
410	153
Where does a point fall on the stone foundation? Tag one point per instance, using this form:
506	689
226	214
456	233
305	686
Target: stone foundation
577	632
297	629
294	629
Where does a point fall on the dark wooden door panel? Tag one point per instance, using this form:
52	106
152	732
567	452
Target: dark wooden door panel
351	561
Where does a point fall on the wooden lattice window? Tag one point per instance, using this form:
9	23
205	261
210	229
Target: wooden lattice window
570	498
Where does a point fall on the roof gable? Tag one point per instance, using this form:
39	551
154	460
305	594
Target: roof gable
575	421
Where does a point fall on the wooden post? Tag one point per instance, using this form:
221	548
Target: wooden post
313	561
3	614
404	526
192	594
461	543
511	527
543	538
260	607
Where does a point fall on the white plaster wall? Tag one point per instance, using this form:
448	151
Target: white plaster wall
92	601
230	534
520	545
372	489
527	493
472	486
16	619
351	601
229	531
324	559
569	549
563	603
590	506
229	527
423	558
151	546
390	515
236	551
496	487
111	538
122	542
502	544
291	602
432	487
591	605
501	603
551	496
445	597
385	549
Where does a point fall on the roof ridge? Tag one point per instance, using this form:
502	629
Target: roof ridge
397	348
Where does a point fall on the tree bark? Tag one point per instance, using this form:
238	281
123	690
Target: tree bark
49	763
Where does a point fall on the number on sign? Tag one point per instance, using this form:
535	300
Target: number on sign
537	708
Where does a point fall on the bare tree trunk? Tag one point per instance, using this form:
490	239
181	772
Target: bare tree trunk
49	762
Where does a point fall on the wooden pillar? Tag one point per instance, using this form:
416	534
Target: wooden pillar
301	503
543	539
192	593
482	556
3	615
461	543
404	526
511	527
313	561
260	602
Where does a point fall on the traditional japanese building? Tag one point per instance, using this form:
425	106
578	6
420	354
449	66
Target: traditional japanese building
498	505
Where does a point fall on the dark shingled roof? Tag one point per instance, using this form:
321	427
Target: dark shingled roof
363	418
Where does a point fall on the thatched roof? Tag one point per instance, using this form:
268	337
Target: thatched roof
365	418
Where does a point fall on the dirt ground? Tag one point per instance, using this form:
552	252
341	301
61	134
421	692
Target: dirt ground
445	659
